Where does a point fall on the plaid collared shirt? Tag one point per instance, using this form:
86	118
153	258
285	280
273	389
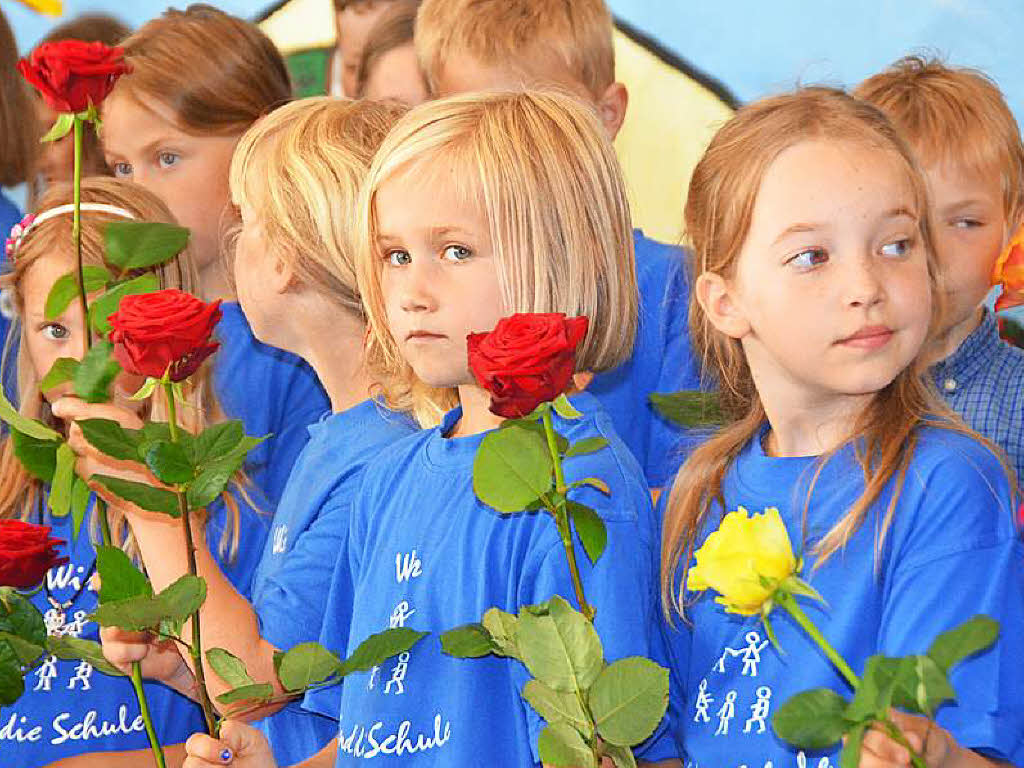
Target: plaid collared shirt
983	381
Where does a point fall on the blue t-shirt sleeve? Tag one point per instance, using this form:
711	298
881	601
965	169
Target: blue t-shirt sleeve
291	603
960	556
622	589
252	526
678	370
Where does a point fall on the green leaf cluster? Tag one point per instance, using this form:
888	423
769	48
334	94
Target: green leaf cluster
201	465
593	709
514	472
22	642
307	666
689	408
819	718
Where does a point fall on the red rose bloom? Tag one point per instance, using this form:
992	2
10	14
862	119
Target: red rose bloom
26	553
163	331
526	360
72	74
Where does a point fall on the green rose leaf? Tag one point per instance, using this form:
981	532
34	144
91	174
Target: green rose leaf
532	424
812	719
502	628
12	685
25	425
72	648
110	438
145	496
873	698
565	409
119	578
139	244
974	635
689	408
560	648
622	757
62	370
211	482
61	127
25	651
229	667
217	441
104	306
176	603
379	647
585	446
19	617
96	372
558	706
80	495
512	469
590	528
169	463
470	641
255	692
628	700
921	685
38	457
850	755
59	500
560	744
65	289
307	664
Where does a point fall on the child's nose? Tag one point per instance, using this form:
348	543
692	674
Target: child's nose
418	292
863	282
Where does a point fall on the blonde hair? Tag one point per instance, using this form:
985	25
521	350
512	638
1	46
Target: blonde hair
576	33
172	63
720	205
19	129
301	168
548	182
954	115
20	493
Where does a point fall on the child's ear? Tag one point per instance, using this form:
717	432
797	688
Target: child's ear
611	108
282	276
717	300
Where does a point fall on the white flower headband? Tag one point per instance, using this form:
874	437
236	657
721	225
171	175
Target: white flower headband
23	227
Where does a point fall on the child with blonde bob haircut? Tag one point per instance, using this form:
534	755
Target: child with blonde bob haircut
476	45
44	253
475	208
173	129
296	176
816	295
964	134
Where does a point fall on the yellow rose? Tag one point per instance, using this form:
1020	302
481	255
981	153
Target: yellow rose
745	561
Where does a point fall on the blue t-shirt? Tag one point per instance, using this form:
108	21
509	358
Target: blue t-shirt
309	536
9	216
273	392
68	708
426	554
661	362
952	552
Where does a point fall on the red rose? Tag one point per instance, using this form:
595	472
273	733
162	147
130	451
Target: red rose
526	360
26	553
163	331
72	74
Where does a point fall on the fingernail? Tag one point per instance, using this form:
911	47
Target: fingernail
225	756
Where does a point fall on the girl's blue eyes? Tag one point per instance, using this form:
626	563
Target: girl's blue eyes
163	159
55	332
454	253
812	257
167	159
122	170
398	258
897	248
457	253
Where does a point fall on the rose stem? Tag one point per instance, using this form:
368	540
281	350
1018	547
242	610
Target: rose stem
101	506
562	516
195	649
788	602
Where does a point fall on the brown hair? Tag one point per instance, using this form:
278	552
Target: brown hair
954	115
19	129
173	62
20	493
392	30
577	33
720	205
301	167
547	180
